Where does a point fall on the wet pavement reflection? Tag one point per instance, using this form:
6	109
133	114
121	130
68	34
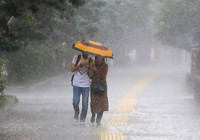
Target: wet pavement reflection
144	103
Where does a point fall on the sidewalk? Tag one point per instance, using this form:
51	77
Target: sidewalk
144	103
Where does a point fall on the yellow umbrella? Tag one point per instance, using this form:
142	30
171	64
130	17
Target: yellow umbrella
93	48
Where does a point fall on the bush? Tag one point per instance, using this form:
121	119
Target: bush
2	78
34	63
7	100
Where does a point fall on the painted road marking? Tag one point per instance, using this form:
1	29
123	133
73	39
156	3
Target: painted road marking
121	115
110	136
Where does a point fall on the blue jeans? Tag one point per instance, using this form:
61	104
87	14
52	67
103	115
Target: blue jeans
77	91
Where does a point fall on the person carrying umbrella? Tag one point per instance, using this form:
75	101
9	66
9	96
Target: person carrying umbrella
98	91
97	71
81	84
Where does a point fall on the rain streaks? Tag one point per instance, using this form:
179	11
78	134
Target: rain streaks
121	115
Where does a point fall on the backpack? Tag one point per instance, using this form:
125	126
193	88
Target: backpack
77	60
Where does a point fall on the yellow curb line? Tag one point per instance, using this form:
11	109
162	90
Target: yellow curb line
121	115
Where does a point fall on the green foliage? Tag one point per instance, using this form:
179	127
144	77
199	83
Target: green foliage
77	3
34	8
178	21
2	78
29	20
30	36
8	45
32	41
32	64
5	99
25	21
58	4
92	29
122	23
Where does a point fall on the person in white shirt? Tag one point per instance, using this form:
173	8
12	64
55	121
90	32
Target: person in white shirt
81	85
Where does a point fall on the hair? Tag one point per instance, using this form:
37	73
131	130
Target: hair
103	62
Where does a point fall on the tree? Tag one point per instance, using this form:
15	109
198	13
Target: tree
36	36
124	22
22	21
2	78
178	21
27	25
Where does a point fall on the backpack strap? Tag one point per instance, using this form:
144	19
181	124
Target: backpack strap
78	59
90	59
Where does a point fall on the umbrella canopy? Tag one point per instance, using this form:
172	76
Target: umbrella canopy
93	48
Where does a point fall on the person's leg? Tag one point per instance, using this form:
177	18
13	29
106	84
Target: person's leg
99	117
85	96
93	117
76	100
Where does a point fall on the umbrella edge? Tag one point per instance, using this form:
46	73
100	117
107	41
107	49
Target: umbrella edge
73	47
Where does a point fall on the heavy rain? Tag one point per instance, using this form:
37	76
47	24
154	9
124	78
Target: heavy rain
153	79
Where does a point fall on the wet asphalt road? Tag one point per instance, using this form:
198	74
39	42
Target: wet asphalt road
145	103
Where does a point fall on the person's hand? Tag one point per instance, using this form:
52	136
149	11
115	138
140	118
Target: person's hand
91	64
94	68
84	64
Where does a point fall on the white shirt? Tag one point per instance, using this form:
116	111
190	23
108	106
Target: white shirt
81	78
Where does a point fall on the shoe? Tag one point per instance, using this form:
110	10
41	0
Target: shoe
92	118
98	121
76	117
98	124
99	116
82	121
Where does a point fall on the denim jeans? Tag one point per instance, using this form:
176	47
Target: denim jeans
77	91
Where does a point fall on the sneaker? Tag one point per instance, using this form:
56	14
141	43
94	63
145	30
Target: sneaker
82	121
98	120
98	124
76	117
92	119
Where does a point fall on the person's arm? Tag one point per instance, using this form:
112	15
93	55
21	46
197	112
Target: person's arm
102	73
75	68
91	69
